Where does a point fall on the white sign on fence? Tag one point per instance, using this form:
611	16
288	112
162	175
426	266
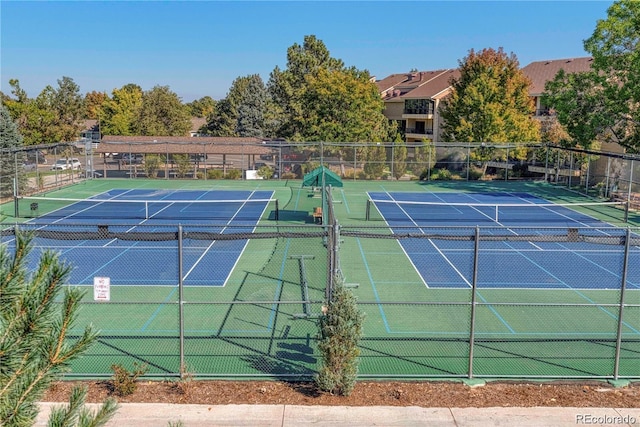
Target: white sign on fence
101	288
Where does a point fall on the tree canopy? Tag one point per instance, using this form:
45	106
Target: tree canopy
490	101
242	111
120	111
287	87
162	113
202	107
604	103
342	105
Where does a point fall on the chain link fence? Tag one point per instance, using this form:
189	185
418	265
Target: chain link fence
496	303
459	302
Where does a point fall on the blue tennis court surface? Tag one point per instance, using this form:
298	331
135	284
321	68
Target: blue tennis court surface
205	262
513	261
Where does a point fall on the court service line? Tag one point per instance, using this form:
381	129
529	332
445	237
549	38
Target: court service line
246	243
344	201
160	307
613	273
373	286
528	202
582	295
400	244
195	264
144	220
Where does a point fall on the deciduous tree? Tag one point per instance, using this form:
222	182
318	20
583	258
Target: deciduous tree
120	111
490	101
604	103
93	104
202	107
162	113
67	103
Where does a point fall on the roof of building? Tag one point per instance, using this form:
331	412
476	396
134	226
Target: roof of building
436	83
418	84
197	123
431	84
541	72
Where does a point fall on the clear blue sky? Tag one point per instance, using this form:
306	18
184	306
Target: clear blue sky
198	48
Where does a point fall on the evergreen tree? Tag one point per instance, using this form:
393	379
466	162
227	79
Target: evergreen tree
251	109
223	120
340	332
376	156
288	87
399	155
35	320
10	162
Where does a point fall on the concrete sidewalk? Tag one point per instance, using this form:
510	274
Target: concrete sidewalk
159	414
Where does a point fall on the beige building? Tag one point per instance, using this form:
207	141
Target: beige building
413	100
540	72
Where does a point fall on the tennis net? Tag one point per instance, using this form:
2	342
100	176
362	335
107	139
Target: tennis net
420	212
209	210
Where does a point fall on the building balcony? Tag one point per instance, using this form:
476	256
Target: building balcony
417	113
419	134
419	131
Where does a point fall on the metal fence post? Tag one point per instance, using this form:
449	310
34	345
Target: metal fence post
606	187
429	164
468	159
546	165
181	302
570	169
630	181
616	367
586	178
476	250
506	166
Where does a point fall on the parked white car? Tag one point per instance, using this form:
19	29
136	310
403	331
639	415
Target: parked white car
64	164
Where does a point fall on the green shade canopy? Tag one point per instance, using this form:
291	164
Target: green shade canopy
315	177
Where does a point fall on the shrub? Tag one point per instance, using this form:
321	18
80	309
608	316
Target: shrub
442	174
234	174
266	172
124	382
214	174
475	174
340	332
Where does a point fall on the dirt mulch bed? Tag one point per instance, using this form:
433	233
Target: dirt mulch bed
424	394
